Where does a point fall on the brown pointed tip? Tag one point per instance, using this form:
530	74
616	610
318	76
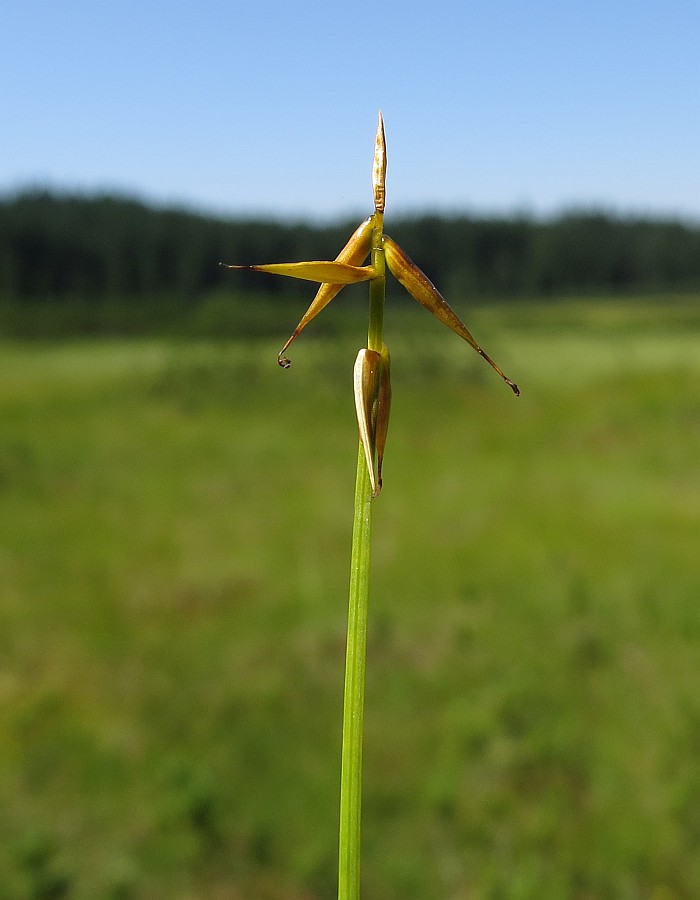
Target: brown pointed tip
284	362
229	266
379	167
513	386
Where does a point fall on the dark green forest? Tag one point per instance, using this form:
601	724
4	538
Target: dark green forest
82	252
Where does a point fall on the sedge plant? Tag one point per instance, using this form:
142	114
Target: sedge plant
372	390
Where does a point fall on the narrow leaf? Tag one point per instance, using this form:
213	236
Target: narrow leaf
424	291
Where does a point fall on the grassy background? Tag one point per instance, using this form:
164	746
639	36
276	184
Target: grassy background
174	541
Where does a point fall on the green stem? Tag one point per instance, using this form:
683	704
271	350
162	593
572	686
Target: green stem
377	287
354	699
356	653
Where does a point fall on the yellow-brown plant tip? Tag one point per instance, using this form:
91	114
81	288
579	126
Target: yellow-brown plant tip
379	167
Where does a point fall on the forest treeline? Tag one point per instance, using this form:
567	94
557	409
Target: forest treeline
106	248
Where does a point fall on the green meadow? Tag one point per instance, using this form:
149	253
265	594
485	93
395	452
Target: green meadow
174	542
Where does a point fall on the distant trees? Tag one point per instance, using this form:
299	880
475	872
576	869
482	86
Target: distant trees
56	247
574	253
92	249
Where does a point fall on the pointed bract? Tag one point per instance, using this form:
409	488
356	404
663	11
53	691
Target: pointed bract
354	253
325	271
420	287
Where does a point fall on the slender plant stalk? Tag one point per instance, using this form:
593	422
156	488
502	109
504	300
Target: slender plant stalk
372	388
356	653
354	700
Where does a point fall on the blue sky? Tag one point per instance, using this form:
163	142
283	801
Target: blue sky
270	107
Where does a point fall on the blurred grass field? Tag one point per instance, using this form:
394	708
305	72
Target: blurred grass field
174	544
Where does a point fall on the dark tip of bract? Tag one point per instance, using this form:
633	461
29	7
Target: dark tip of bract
284	362
513	386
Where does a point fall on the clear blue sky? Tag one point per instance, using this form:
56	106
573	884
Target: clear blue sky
270	107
